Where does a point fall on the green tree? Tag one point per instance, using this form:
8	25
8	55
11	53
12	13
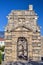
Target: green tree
2	48
0	57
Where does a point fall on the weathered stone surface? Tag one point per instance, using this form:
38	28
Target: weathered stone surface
22	24
23	63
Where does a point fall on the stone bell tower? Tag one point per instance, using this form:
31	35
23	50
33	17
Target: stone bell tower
22	36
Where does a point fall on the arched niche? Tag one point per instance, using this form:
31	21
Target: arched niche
22	48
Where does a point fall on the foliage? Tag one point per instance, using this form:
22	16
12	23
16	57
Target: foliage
2	48
0	57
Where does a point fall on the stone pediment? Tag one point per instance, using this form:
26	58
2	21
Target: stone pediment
22	28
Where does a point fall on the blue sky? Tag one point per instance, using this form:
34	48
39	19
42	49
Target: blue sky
7	5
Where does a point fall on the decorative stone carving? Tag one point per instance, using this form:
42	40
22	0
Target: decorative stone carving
22	24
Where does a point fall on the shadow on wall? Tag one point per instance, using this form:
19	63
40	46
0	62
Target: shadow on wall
42	58
3	57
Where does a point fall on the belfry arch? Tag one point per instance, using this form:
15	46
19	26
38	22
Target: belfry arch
22	48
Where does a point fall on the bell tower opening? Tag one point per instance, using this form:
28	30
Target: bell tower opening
22	48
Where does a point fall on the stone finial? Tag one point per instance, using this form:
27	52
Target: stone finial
30	7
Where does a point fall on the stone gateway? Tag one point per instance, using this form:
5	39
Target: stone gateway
22	36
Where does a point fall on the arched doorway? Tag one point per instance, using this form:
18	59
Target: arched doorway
22	48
